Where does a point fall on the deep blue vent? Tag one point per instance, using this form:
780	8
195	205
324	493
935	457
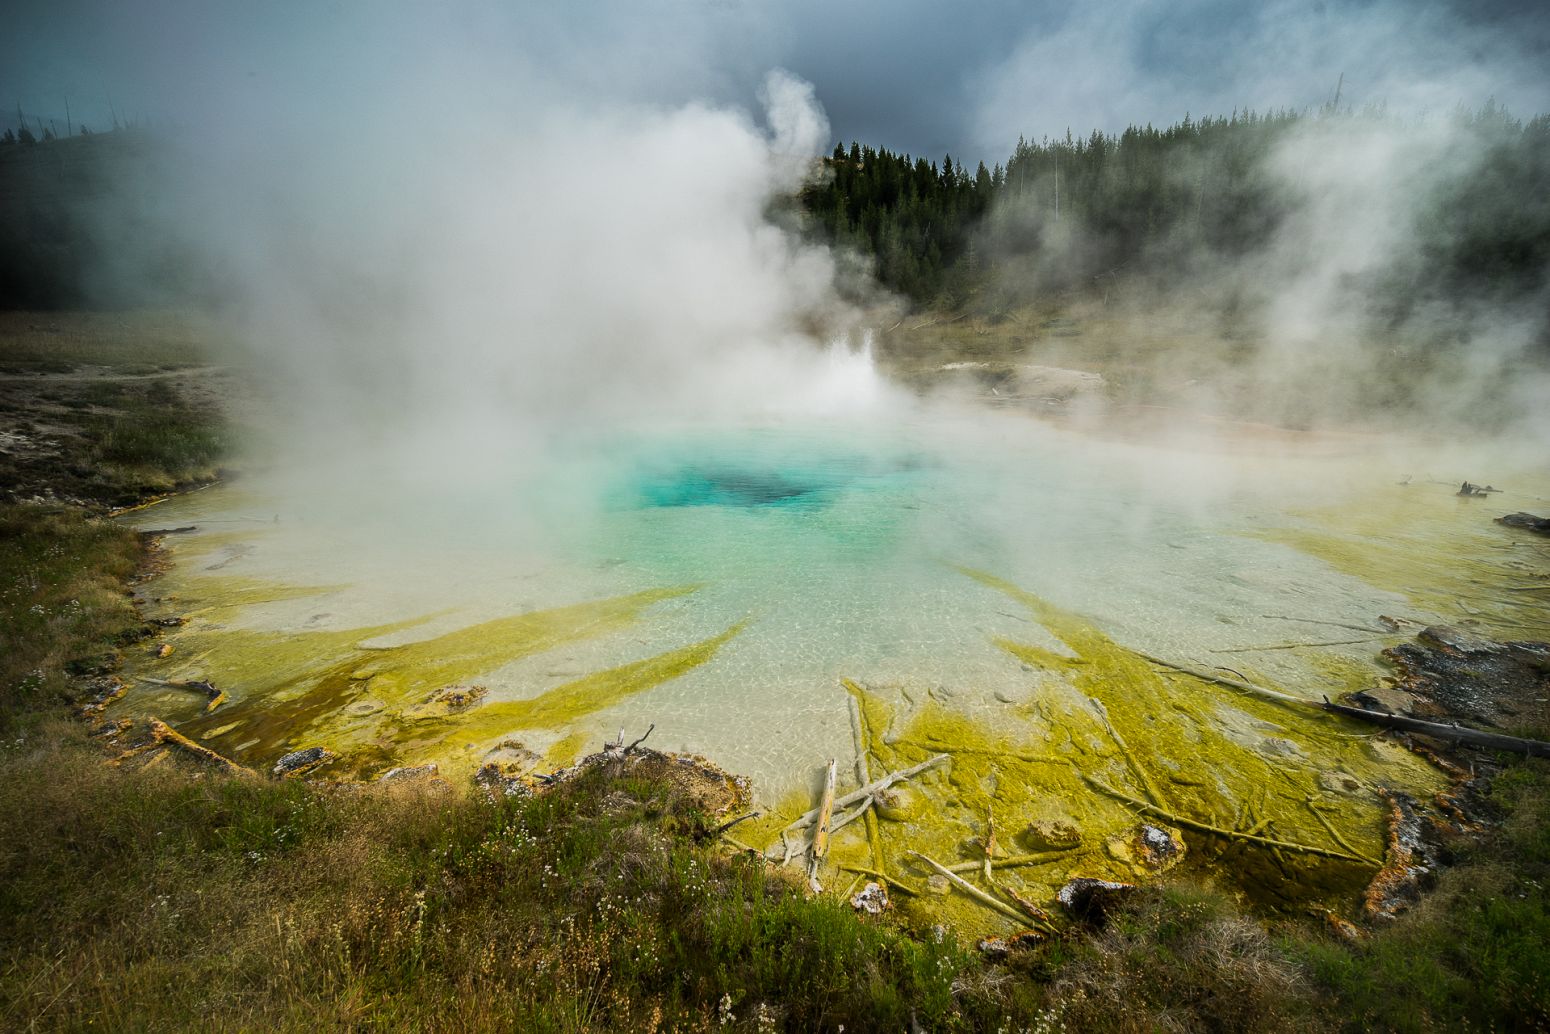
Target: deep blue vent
732	486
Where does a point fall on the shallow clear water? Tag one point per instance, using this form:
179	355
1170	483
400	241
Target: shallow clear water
983	577
841	549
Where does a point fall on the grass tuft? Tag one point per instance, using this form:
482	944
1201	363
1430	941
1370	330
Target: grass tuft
62	603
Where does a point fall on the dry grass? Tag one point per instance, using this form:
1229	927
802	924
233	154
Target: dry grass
63	608
151	899
1475	954
1171	353
1183	958
131	341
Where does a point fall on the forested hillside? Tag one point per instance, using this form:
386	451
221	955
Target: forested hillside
1168	209
80	226
1170	204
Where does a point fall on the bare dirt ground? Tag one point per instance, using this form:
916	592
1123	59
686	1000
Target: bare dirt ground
1141	363
70	384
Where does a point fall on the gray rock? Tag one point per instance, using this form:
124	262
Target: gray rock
994	948
1451	638
417	772
1092	900
298	762
872	899
1387	699
1527	521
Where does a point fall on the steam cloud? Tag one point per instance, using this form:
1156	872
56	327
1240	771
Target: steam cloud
449	282
1105	66
1313	338
440	227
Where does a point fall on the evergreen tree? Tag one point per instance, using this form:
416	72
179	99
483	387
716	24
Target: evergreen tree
1164	199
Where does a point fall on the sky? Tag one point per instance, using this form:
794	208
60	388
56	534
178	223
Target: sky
911	75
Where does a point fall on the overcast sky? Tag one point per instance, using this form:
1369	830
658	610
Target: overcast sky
913	75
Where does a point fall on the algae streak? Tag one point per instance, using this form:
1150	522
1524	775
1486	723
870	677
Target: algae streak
326	688
568	703
1201	752
1443	552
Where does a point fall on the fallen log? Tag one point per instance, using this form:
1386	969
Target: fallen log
1033	911
1012	861
820	845
163	734
1293	646
216	694
870	790
1228	834
722	829
839	823
619	749
1527	521
1013	755
990	846
863	773
1222	680
1334	834
972	891
1451	733
1331	624
1130	758
156	500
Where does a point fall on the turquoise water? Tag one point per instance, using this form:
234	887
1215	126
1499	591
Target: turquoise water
839	549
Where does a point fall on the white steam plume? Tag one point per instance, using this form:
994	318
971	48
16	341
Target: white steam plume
458	293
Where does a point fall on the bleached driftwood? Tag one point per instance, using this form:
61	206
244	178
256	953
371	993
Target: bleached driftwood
1228	834
820	844
972	891
1451	733
839	822
825	813
163	734
1011	861
870	790
618	748
1130	757
863	773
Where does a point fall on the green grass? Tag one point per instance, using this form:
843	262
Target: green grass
156	446
151	900
87	415
1476	953
62	604
131	341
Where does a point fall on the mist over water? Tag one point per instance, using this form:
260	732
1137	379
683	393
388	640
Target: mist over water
590	269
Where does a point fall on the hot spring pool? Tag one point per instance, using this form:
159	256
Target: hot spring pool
984	579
